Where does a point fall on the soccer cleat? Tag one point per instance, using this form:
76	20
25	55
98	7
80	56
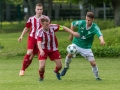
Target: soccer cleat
58	75
64	71
22	72
98	79
41	79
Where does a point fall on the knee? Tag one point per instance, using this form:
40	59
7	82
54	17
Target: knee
42	68
59	67
29	52
69	56
93	63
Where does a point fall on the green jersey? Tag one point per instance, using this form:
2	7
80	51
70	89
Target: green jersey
86	35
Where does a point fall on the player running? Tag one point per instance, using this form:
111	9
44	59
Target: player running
87	29
48	46
33	24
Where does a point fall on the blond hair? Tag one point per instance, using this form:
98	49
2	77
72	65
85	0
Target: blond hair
44	19
39	4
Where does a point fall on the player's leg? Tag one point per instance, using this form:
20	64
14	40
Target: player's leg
35	52
42	64
67	63
26	61
95	69
55	56
30	60
87	53
58	68
29	55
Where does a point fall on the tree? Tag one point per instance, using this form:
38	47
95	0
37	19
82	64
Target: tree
50	8
114	3
32	7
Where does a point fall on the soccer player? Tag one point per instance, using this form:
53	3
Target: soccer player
87	29
48	46
34	24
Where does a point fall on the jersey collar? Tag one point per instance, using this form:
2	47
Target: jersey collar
89	27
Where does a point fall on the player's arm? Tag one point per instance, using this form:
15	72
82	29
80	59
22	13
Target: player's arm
40	48
100	35
22	34
39	43
76	34
71	35
102	42
73	25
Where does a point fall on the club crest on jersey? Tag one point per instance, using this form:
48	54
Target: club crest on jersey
89	32
81	31
82	28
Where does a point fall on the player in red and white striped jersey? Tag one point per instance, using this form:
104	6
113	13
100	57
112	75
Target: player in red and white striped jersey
33	24
48	46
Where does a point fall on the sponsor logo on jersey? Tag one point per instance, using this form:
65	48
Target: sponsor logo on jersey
83	37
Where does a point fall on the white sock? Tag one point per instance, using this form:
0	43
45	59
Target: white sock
67	62
95	71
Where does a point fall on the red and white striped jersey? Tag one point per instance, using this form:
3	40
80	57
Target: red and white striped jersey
34	24
48	38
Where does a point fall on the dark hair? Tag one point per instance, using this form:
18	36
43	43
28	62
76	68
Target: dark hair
44	20
90	15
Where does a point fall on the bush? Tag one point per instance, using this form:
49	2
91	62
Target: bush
111	48
11	27
111	36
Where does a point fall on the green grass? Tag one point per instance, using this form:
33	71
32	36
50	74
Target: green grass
11	46
78	77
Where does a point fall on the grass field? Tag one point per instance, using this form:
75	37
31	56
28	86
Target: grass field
78	77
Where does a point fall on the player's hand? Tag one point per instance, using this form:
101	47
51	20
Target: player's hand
102	42
20	39
42	53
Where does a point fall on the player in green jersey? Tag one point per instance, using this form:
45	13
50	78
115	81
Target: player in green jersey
87	29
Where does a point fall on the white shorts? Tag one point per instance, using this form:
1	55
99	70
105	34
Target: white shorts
87	53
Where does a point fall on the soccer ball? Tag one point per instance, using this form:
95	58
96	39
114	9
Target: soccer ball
71	49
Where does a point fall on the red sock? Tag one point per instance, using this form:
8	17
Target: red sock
26	62
56	69
41	73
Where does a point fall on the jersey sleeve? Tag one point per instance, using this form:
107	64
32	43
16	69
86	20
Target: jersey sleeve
77	23
98	32
39	35
55	27
28	23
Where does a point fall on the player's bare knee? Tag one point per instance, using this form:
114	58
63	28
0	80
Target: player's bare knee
59	67
93	63
42	68
69	55
29	52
